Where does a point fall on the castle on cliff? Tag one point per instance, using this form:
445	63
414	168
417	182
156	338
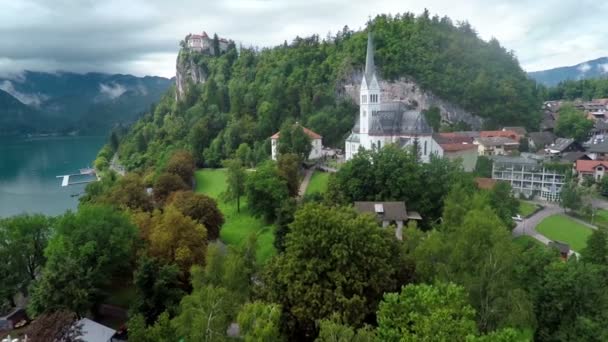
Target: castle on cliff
203	43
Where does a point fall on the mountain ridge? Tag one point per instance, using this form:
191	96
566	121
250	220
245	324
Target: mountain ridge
71	102
594	68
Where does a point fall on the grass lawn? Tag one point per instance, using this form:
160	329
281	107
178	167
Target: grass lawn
524	241
526	208
237	226
560	227
318	183
601	217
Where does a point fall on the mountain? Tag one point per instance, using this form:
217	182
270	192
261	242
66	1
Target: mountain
16	116
597	68
86	103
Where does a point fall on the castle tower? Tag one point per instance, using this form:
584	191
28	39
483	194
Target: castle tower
370	90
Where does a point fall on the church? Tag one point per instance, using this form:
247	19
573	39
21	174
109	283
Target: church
381	123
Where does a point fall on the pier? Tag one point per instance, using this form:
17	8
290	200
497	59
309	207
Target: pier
65	179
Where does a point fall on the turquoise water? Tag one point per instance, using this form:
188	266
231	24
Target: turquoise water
29	167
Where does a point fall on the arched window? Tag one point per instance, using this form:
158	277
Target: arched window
364	113
379	144
425	148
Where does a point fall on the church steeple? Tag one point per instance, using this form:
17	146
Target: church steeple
370	67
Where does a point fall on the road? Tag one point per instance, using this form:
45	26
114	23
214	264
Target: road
528	225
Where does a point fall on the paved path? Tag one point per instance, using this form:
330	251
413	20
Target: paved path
115	165
305	182
528	225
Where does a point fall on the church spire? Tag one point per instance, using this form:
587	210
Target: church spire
370	67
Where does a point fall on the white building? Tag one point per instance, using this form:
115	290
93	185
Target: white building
528	176
386	123
316	141
203	43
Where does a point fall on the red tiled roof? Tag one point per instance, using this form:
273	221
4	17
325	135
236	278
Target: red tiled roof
504	134
589	165
452	138
311	134
454	147
485	183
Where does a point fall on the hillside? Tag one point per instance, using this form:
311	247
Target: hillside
15	116
245	97
86	103
597	68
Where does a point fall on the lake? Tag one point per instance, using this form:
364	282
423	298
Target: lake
29	167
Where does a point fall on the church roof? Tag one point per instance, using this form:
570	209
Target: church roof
398	120
370	66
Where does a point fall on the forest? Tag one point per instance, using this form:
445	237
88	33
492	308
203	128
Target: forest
249	93
587	89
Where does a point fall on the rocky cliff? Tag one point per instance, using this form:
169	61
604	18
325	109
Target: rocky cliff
187	71
407	90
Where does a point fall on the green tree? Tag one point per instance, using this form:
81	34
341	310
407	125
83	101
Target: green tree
572	123
236	181
161	331
597	247
433	117
504	204
244	154
128	192
23	239
181	163
156	288
349	281
570	196
483	168
331	331
203	209
289	169
265	190
572	303
439	312
486	271
166	184
259	321
86	249
293	139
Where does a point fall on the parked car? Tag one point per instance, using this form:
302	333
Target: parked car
517	218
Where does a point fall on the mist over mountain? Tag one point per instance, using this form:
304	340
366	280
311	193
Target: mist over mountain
64	102
597	68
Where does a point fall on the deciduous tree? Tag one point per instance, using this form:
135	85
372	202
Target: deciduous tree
166	184
236	181
259	321
203	209
181	163
266	190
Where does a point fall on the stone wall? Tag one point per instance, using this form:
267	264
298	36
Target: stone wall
406	90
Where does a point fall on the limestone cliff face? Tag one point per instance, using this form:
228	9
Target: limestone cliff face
187	72
406	90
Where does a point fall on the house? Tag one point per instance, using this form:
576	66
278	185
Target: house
493	146
562	247
381	123
599	132
316	141
548	121
503	134
562	145
12	319
528	176
95	332
540	140
591	168
456	147
598	151
203	43
517	129
388	213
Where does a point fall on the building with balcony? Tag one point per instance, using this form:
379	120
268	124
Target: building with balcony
528	176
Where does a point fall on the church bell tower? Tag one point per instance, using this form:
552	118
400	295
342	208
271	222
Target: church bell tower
370	89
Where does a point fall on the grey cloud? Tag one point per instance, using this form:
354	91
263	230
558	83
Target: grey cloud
141	37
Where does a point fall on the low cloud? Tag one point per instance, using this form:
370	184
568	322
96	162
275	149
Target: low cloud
603	68
112	90
583	68
29	99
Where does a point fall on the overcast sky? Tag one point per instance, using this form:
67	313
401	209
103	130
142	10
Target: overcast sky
141	37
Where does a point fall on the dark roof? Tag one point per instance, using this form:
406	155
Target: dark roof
574	156
384	211
451	138
398	120
600	125
598	148
562	247
370	67
561	144
542	139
